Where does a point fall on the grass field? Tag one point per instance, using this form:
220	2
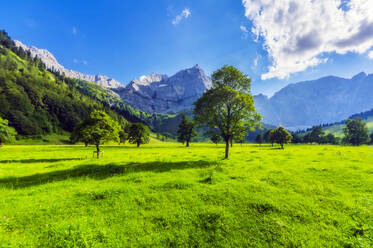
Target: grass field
166	195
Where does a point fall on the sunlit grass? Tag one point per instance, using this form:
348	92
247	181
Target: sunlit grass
167	195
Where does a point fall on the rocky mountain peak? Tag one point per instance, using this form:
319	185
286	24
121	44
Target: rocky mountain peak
158	93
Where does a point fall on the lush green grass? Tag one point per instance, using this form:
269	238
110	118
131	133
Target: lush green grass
166	195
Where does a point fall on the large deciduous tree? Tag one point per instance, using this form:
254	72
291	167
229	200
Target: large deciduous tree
138	134
7	134
228	105
356	132
186	130
98	129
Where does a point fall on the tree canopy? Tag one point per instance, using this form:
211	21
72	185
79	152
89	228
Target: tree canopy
282	136
98	129
356	132
228	106
186	130
7	134
138	134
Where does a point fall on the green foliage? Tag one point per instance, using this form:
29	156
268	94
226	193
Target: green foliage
186	130
98	129
281	136
7	134
269	136
356	132
215	138
316	135
228	105
259	139
138	134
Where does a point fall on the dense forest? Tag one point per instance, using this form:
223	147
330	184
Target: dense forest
37	101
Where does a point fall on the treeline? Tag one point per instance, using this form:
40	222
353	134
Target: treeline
355	133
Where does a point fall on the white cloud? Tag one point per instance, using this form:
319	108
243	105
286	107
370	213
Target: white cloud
245	32
75	30
76	61
184	14
299	34
370	54
84	62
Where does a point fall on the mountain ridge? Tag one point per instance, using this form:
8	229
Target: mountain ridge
52	64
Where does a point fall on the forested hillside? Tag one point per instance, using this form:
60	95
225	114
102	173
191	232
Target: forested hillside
38	101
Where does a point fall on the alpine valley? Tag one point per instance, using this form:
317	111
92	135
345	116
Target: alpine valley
297	106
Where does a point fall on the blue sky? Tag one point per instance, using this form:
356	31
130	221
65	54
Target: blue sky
127	39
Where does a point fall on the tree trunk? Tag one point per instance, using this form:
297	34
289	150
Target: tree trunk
98	150
282	146
138	143
226	149
187	144
231	142
86	144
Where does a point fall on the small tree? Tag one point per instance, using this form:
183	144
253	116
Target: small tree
331	139
356	132
98	129
228	105
138	134
215	138
186	130
123	137
259	139
316	134
7	134
296	138
282	136
269	136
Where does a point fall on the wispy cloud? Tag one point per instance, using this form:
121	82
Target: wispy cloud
245	32
370	54
183	15
77	61
75	31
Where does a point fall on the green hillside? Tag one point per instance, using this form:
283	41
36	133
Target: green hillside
337	129
38	102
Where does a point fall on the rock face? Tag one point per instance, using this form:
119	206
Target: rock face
325	100
158	93
52	64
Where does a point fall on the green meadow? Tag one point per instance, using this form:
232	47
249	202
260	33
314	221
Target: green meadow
166	195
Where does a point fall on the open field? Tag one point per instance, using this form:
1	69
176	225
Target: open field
166	195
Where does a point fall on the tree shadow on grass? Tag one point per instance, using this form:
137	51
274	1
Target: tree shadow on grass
28	161
99	172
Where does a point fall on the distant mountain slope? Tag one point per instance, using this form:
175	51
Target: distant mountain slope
325	100
162	94
36	101
52	64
